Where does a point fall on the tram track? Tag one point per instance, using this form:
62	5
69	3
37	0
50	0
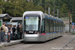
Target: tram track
67	44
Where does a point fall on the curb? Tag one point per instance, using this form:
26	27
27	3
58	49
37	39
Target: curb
11	43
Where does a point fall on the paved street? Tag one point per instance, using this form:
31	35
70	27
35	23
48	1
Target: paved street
70	46
54	44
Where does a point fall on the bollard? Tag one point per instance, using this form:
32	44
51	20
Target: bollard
8	37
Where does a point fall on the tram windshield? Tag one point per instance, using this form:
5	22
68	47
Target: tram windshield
31	23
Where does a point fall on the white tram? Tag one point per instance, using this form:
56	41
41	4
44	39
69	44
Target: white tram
41	27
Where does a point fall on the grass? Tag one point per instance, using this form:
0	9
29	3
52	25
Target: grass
0	47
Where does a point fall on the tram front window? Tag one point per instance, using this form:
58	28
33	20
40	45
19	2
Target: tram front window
31	23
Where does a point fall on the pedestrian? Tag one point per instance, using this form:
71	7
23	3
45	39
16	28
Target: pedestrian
3	30
20	31
8	28
0	34
13	30
6	33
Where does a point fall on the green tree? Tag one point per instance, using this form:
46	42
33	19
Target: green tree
36	2
73	11
43	3
17	8
64	10
0	8
49	3
29	6
12	8
39	8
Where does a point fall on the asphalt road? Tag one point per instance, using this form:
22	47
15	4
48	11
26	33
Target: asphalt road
54	44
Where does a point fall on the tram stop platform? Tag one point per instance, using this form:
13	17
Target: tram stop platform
12	42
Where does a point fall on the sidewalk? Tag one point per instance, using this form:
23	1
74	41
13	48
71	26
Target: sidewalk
10	43
67	34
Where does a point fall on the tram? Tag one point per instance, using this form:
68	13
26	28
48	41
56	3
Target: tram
40	27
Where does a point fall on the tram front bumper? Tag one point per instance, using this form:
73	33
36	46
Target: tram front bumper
31	38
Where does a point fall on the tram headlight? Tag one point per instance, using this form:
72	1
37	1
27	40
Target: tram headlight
37	32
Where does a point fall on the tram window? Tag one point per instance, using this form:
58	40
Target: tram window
60	26
46	26
43	28
24	26
51	29
56	26
52	26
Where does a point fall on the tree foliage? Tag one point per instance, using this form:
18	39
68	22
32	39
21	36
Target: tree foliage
73	11
17	7
63	5
0	7
64	10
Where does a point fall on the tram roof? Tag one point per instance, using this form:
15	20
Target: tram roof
52	17
33	12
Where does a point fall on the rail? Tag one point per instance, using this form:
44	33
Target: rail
67	44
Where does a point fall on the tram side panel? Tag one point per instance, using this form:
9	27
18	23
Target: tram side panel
42	36
47	29
59	29
51	29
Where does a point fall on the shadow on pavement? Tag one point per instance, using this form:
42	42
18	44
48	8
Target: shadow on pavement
40	42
